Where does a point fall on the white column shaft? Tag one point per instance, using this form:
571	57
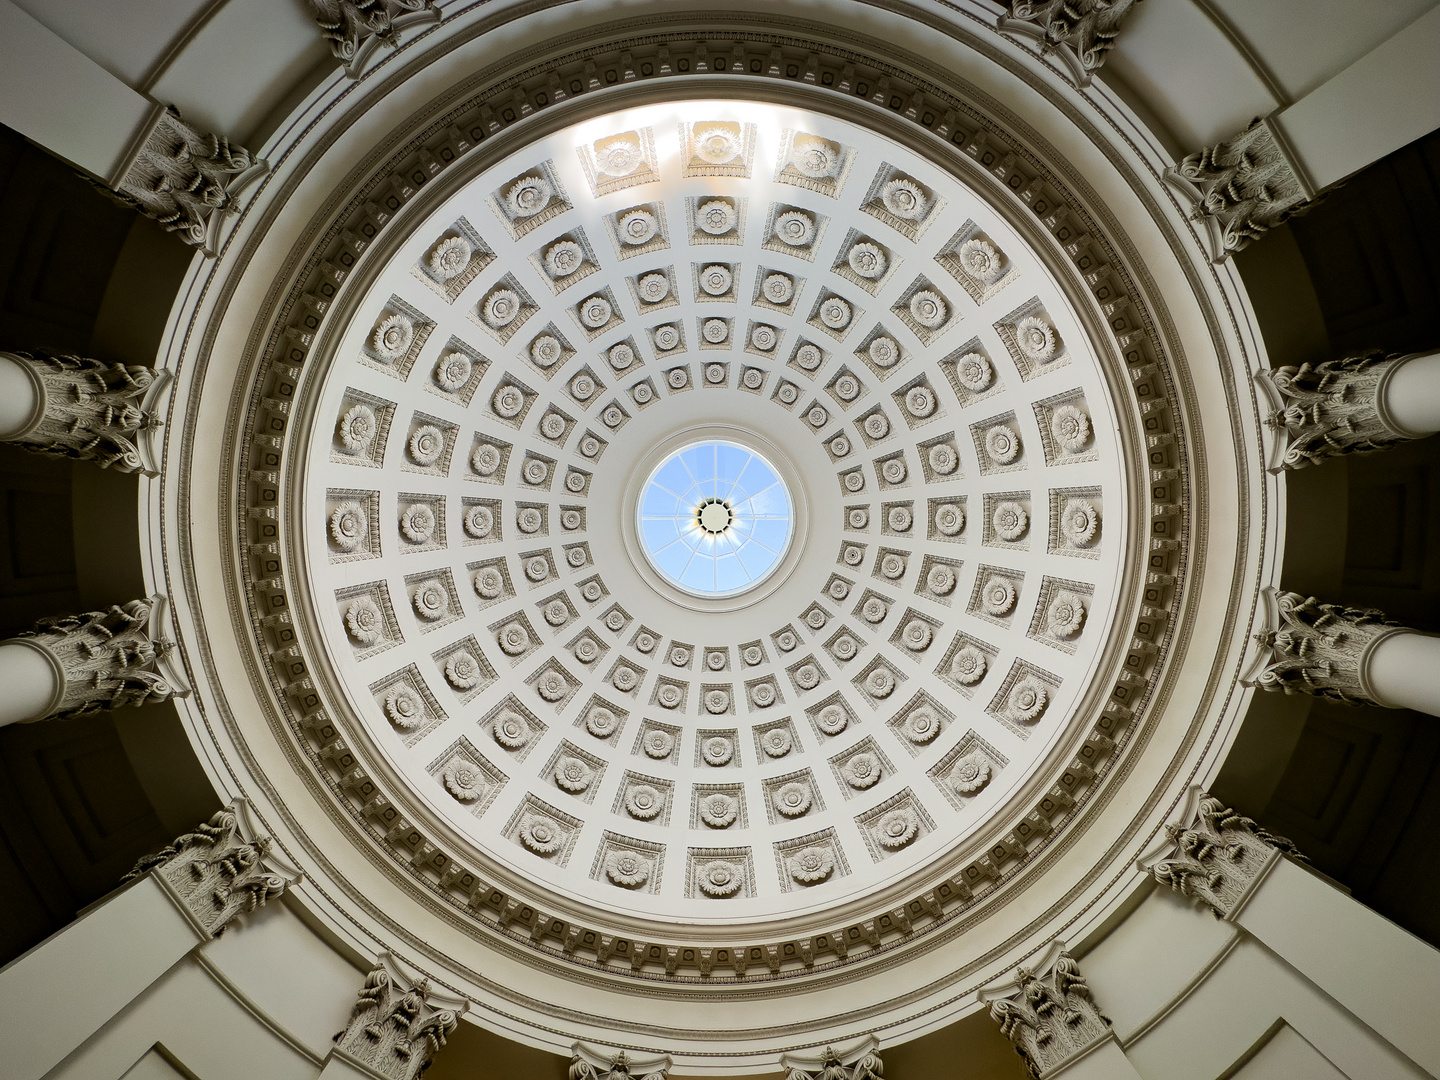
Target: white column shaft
1412	394
28	681
18	397
1404	672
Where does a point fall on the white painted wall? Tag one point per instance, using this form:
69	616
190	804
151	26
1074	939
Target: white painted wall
1303	983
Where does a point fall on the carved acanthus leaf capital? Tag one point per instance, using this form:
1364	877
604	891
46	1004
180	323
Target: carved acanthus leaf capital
1243	187
1214	858
1048	1013
353	27
102	659
1086	27
593	1063
856	1061
398	1023
1320	649
88	410
1336	407
181	177
216	872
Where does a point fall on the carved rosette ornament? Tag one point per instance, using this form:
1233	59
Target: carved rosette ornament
1242	188
1089	27
215	873
181	177
1050	1017
350	25
1322	649
591	1063
397	1024
101	659
1216	857
858	1062
86	409
1337	407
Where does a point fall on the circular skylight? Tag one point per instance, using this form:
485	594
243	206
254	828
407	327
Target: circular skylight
715	519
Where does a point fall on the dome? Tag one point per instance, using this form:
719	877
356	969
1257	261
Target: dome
940	582
461	350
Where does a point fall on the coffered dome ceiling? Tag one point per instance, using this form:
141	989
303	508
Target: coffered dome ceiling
709	518
643	732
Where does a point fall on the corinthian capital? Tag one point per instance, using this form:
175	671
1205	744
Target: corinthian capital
1048	1013
1337	407
1321	649
99	660
398	1024
1215	856
1083	30
354	27
592	1063
1243	187
83	408
216	873
182	177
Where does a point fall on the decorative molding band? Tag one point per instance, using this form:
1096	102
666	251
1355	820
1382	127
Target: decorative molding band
1048	1013
88	410
398	1024
1337	407
1081	32
1217	857
102	660
860	1061
1321	649
1243	187
219	871
590	1063
787	66
183	178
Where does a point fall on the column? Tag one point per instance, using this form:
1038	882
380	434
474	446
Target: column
60	99
21	398
71	406
150	158
1047	1012
1243	187
1355	405
1379	973
593	1063
1081	31
860	1061
176	899
396	1028
1402	671
1353	655
80	664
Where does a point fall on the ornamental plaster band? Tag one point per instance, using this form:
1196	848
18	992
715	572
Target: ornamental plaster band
495	747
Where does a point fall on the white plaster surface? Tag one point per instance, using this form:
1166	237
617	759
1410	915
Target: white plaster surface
96	966
285	970
1153	957
17	398
29	682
